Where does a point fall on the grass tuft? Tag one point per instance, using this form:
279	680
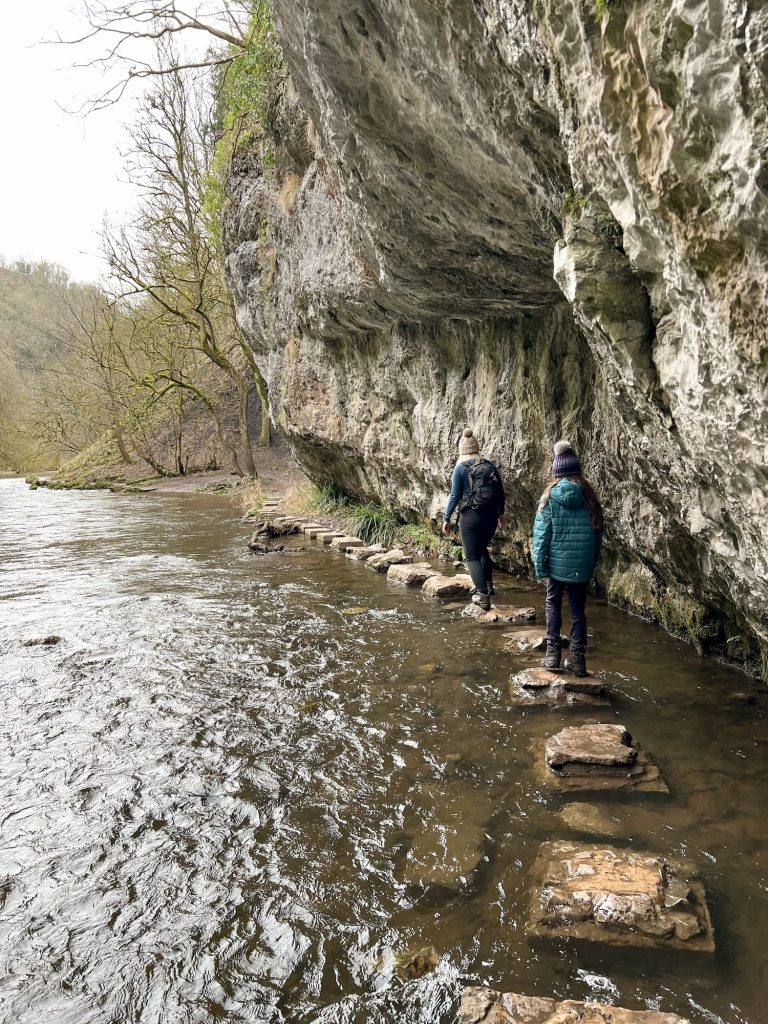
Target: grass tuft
374	523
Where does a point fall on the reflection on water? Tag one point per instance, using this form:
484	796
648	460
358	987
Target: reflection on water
206	783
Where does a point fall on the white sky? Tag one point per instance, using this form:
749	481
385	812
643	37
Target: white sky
60	174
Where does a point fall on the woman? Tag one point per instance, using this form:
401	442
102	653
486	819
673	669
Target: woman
477	490
567	535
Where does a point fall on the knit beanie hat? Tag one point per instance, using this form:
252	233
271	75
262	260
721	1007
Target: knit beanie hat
566	461
468	445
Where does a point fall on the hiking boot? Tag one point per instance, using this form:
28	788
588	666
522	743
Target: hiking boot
482	601
552	659
577	664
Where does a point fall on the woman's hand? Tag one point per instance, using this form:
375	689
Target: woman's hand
447	529
502	522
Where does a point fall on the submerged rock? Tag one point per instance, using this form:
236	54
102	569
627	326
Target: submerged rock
447	823
411	575
43	641
486	1006
446	588
589	818
603	894
538	687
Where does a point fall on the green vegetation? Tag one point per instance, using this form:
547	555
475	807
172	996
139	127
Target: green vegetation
374	523
436	545
245	92
572	203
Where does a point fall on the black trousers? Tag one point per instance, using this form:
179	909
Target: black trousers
477	529
577	600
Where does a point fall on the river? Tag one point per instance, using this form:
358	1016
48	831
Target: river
206	782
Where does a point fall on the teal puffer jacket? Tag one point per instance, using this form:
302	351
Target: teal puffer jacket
565	544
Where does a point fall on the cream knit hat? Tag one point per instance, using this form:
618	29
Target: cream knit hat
468	445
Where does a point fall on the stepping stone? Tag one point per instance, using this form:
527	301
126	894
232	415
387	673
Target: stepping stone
381	563
589	818
486	1006
538	687
622	897
599	757
315	531
500	613
526	641
363	554
317	527
447	823
415	575
326	536
345	543
445	588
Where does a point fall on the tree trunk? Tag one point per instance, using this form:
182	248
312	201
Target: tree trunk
245	436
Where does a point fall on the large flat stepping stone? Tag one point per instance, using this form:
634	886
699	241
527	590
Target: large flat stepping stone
486	1006
415	575
309	527
447	822
526	641
326	536
363	554
500	613
381	563
621	897
345	543
538	687
599	757
446	588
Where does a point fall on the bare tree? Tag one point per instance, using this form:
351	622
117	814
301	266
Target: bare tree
131	29
168	254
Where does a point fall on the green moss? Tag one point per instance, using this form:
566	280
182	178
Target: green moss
572	203
426	539
245	93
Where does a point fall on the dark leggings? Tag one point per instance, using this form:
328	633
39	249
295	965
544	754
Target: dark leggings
477	529
577	599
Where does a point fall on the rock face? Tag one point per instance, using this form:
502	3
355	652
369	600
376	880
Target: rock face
486	1006
538	220
602	894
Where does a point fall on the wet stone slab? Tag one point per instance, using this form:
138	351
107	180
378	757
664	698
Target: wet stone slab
599	757
447	823
415	575
500	613
446	588
537	687
486	1006
382	562
363	554
622	897
527	641
346	543
326	536
309	527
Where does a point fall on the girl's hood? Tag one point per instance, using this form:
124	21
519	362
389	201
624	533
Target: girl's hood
568	494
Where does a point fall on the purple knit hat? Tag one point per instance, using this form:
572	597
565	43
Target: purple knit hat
566	461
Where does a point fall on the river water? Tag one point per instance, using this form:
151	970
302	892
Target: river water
206	785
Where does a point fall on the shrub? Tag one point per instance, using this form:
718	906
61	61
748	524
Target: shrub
374	523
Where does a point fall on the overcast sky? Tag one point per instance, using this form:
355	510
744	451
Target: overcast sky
59	174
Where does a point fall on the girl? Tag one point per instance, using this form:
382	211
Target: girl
567	535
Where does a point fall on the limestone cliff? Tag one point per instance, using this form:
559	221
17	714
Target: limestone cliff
537	218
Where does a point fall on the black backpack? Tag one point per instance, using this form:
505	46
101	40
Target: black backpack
485	488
